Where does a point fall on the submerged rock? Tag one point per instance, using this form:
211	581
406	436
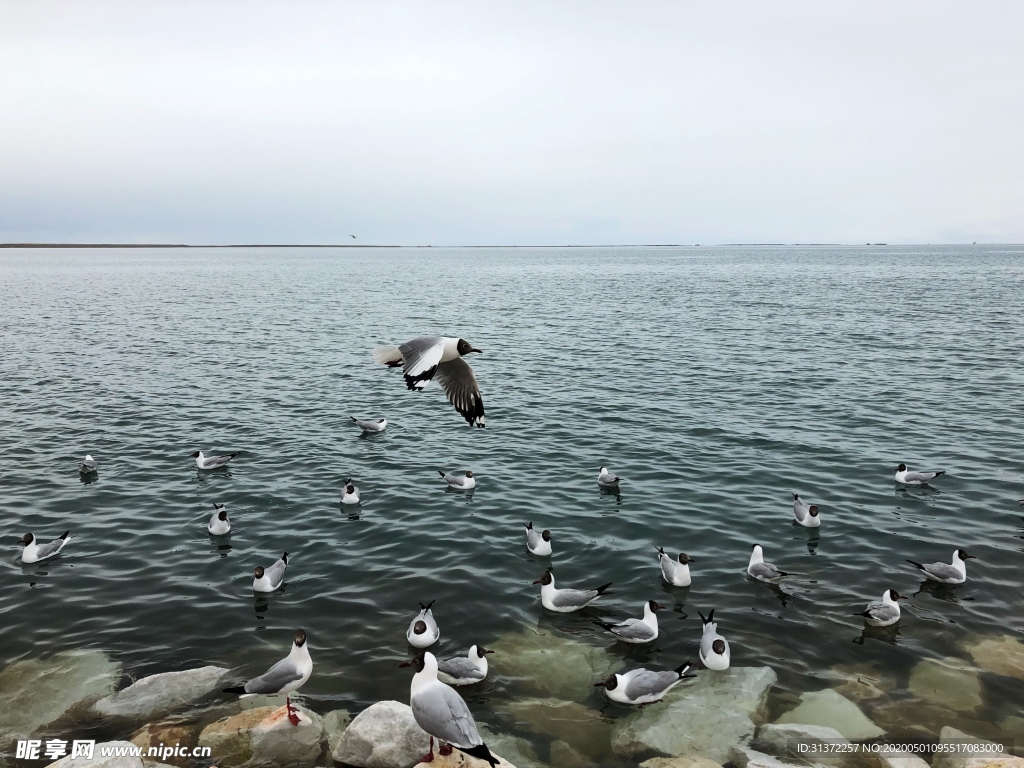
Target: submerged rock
515	748
264	736
781	738
564	755
159	695
745	757
911	717
1001	654
950	682
990	759
861	682
37	692
706	717
548	663
578	726
687	761
97	761
384	735
335	724
833	710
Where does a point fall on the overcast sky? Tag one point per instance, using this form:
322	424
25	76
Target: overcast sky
512	122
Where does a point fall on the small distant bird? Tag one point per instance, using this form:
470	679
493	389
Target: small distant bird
539	544
462	482
761	570
423	631
714	649
212	462
270	579
440	711
464	670
607	478
371	426
352	236
349	494
805	514
886	612
219	523
675	573
566	600
637	631
35	552
642	686
439	357
286	676
906	477
947	574
87	465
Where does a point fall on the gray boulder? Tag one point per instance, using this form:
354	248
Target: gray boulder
706	717
515	749
384	735
97	761
336	723
37	692
158	695
745	757
264	736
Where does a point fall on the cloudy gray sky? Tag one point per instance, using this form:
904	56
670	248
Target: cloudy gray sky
512	122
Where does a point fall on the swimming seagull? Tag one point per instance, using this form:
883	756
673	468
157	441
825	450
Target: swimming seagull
464	670
212	462
606	478
675	573
714	649
349	494
270	579
442	713
805	514
886	612
637	631
219	523
87	465
947	574
35	552
566	600
439	357
286	676
539	544
423	631
642	686
761	570
371	426
462	482
905	476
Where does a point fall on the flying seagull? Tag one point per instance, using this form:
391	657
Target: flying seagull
439	357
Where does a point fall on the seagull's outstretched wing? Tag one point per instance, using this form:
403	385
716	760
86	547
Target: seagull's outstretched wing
460	385
421	357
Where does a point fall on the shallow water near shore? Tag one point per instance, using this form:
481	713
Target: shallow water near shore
716	381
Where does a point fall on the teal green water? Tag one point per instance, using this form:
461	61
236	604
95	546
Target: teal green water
714	380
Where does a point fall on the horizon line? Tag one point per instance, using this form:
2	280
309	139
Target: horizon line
565	245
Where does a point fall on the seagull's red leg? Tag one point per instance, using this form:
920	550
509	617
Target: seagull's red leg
293	718
446	749
429	757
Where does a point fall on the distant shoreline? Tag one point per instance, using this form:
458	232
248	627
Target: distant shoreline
606	245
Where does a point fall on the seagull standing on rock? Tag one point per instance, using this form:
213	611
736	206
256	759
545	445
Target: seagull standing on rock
945	573
643	686
212	462
439	357
35	552
219	523
286	676
675	573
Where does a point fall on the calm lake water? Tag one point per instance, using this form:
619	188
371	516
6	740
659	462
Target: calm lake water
716	381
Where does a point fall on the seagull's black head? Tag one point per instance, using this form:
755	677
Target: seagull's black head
481	651
416	662
545	579
609	683
685	559
419	627
655	606
300	638
718	646
964	555
195	455
546	535
350	488
222	515
27	539
469	474
380	421
813	510
464	347
901	468
894	595
259	571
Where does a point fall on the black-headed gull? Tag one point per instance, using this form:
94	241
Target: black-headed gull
607	478
219	523
87	466
566	600
439	357
464	670
376	425
906	477
212	462
464	482
944	572
676	573
714	649
270	579
286	676
885	612
35	552
539	543
349	494
761	570
805	514
643	686
442	713
423	631
637	631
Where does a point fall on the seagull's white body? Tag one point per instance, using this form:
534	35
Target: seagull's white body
371	426
884	613
349	494
675	572
806	514
567	600
538	542
219	523
954	573
607	478
428	634
212	462
464	670
710	656
34	552
636	631
461	482
905	477
273	577
642	686
760	570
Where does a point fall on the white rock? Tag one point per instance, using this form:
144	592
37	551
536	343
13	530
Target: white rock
98	761
706	717
158	695
745	757
833	710
384	735
992	759
37	692
275	741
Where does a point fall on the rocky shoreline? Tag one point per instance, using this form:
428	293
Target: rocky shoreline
719	719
